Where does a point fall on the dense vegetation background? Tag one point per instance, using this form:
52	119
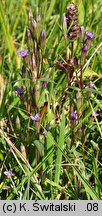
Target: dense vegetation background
51	158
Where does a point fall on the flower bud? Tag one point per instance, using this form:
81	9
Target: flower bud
38	17
64	23
44	84
84	52
38	26
91	86
30	14
20	90
33	28
79	98
30	41
73	116
43	38
82	33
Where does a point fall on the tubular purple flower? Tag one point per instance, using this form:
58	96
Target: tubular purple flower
9	173
89	35
23	53
73	116
20	90
44	84
36	118
91	85
43	33
84	52
45	132
95	114
85	49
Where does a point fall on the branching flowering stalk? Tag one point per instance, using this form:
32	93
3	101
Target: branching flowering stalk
32	67
87	44
36	38
72	31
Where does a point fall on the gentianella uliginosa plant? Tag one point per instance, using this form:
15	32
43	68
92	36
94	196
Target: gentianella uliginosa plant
52	135
31	91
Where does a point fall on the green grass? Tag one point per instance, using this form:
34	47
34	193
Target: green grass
62	171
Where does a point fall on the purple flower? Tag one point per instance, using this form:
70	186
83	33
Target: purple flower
20	90
91	85
43	33
89	35
36	118
9	173
44	84
85	49
45	132
23	53
95	114
73	116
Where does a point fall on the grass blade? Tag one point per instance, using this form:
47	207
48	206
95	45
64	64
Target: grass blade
59	153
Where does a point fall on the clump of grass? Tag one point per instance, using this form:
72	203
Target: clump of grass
51	107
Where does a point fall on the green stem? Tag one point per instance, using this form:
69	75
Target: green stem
83	116
72	50
69	84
